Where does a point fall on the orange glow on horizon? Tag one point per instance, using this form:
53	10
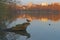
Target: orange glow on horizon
29	4
41	18
44	19
44	4
24	8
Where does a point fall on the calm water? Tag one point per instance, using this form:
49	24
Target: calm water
37	30
44	25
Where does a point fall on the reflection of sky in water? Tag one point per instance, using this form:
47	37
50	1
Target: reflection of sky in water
17	21
41	30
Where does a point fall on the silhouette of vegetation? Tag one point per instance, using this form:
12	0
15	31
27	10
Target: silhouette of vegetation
6	12
2	35
23	33
18	27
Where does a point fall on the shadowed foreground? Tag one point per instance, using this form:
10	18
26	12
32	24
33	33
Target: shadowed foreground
19	27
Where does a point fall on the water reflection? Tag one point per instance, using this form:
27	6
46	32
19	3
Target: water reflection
39	29
41	16
23	33
19	29
3	36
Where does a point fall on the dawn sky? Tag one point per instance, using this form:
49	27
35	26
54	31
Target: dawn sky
37	1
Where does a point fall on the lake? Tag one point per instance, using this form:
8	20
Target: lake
32	24
40	28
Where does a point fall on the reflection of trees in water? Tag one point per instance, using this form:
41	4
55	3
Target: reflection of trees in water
11	33
53	15
16	34
6	12
9	14
2	35
11	36
22	26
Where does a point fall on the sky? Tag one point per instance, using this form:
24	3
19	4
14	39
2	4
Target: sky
38	1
